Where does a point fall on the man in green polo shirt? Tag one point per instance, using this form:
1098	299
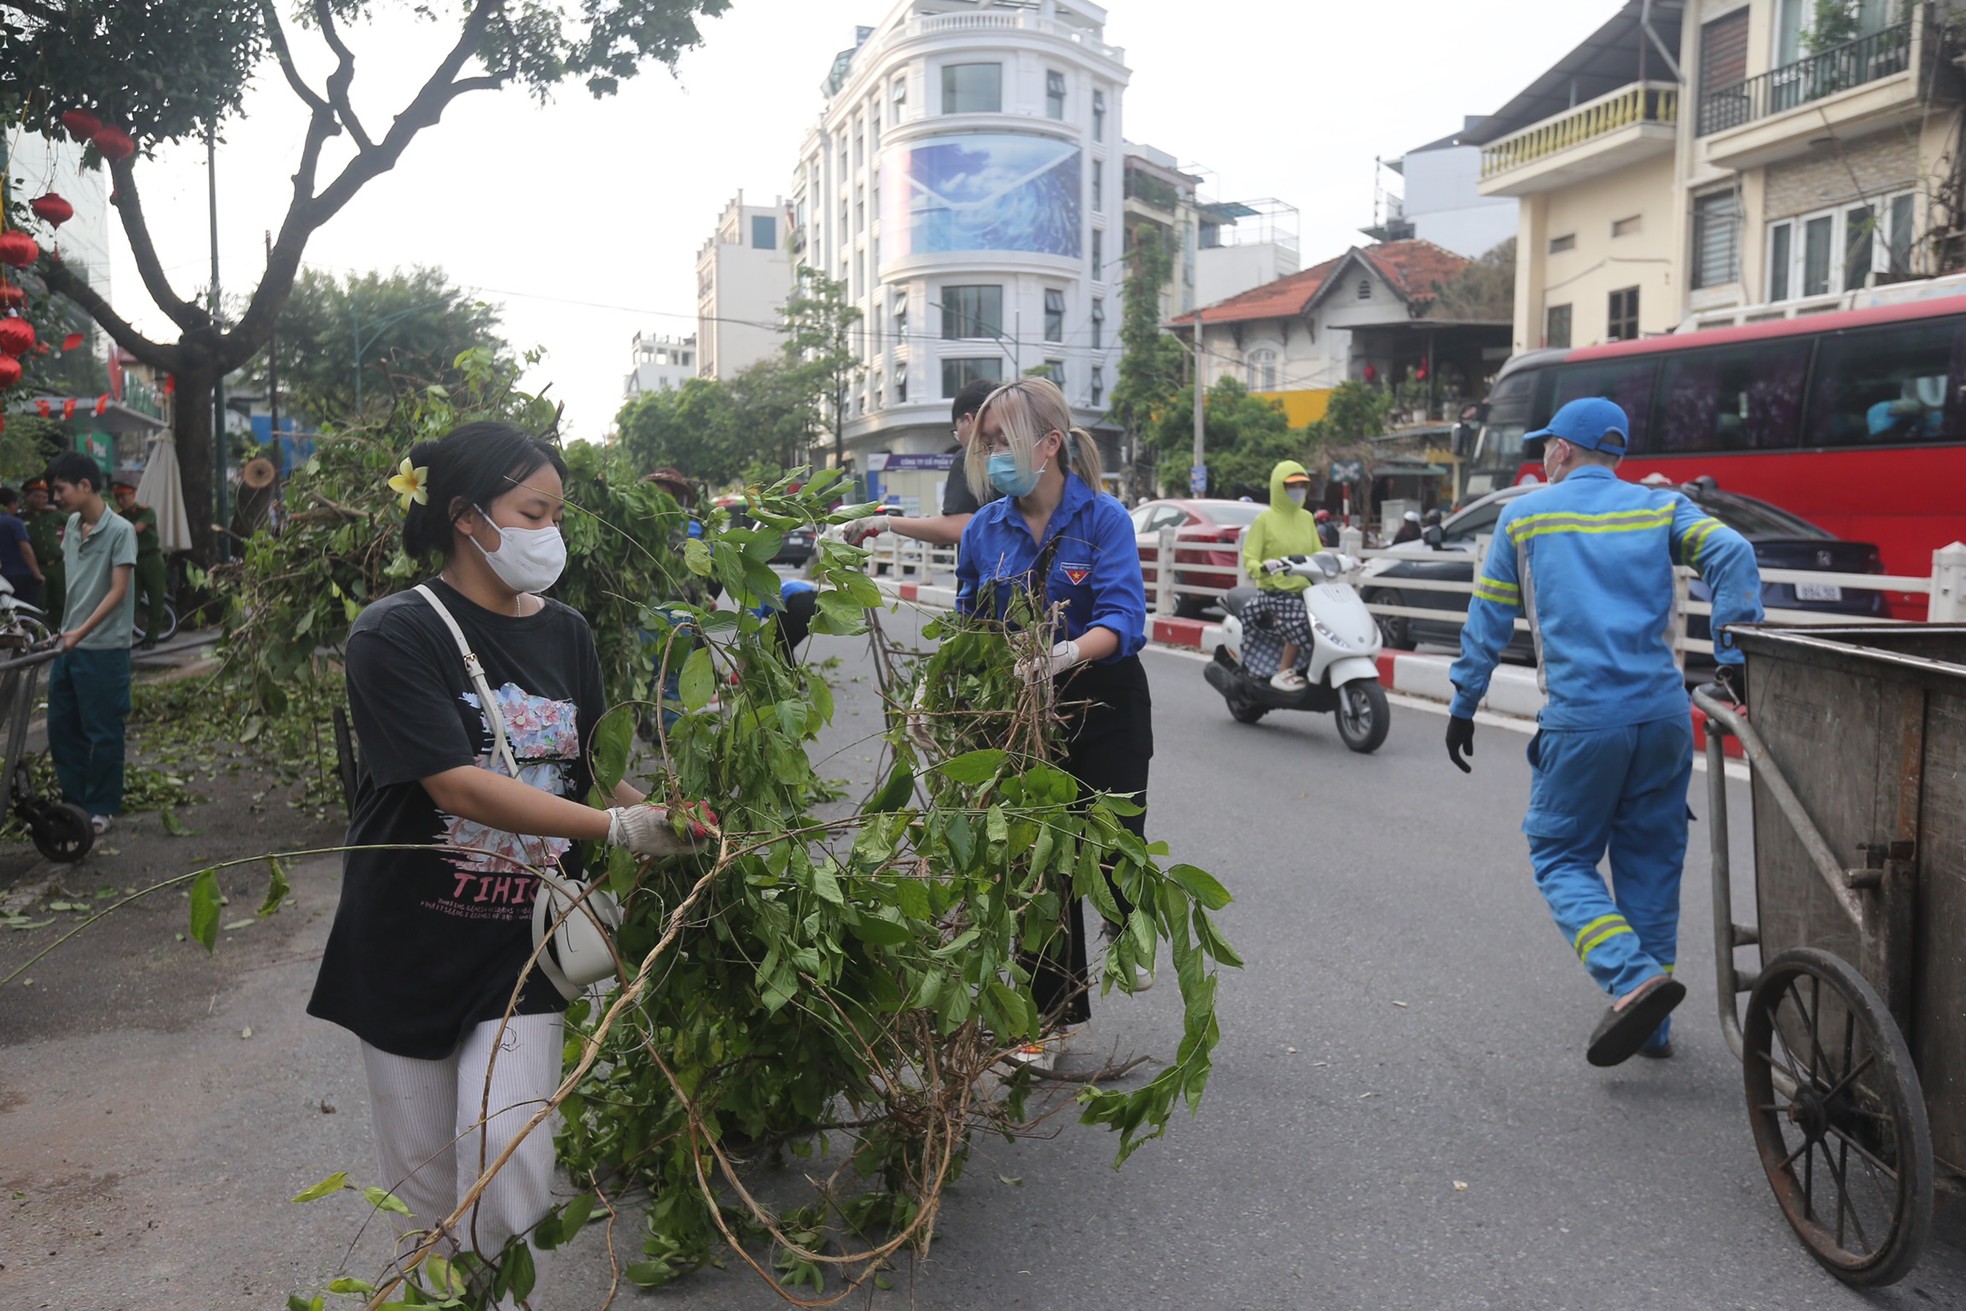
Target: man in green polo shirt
150	559
44	524
89	682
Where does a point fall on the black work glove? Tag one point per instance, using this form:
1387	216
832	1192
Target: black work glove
1460	742
1734	679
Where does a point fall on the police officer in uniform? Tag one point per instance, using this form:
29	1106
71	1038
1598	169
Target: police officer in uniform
150	559
1590	560
44	525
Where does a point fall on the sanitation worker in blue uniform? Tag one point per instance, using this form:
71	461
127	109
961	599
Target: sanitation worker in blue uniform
1590	560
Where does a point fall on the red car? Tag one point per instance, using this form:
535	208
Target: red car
1195	522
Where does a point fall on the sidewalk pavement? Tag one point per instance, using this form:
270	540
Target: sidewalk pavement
1514	690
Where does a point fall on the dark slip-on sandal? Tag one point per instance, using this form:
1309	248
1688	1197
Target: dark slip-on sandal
1623	1031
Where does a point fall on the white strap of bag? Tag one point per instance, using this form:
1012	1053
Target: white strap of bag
487	702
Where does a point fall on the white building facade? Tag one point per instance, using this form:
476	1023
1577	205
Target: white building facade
965	182
659	363
36	166
1443	203
743	275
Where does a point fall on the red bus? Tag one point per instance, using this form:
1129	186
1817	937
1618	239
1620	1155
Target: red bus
1854	420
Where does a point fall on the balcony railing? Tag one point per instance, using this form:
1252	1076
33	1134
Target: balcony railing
1883	53
1632	106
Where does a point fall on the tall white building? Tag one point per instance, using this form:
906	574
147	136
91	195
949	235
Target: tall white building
965	181
36	166
658	363
1443	202
743	275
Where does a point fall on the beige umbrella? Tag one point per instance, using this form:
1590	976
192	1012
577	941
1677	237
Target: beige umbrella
162	489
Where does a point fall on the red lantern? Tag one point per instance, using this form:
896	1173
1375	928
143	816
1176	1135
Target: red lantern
81	124
1372	373
115	144
18	249
16	336
9	371
11	297
72	340
52	209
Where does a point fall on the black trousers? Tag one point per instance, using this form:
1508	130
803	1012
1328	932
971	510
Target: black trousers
1109	741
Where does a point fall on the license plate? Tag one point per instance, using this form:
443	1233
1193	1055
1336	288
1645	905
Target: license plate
1818	592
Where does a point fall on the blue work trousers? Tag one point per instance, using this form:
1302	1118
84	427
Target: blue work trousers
1623	789
88	706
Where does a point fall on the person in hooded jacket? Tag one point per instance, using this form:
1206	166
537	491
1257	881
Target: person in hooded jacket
1275	625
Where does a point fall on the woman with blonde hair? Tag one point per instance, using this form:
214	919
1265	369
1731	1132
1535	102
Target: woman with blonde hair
1056	535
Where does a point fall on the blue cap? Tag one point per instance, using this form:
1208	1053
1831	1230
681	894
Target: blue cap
1592	423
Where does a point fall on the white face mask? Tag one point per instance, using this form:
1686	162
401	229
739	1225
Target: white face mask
1296	494
527	559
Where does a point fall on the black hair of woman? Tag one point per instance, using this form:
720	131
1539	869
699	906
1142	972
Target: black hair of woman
470	466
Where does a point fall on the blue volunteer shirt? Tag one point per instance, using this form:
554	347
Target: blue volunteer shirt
1590	560
1094	570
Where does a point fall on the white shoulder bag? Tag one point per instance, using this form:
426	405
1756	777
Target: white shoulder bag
572	919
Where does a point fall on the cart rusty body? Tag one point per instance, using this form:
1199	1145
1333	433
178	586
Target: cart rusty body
1853	1038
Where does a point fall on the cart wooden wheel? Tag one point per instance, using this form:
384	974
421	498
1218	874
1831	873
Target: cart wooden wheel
1847	1146
62	832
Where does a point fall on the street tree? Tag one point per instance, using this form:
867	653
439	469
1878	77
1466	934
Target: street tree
821	332
1152	362
693	428
1482	292
773	408
410	325
132	63
1245	436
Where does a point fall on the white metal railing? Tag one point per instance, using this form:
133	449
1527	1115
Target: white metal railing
905	558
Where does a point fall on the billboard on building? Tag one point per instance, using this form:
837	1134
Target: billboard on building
989	191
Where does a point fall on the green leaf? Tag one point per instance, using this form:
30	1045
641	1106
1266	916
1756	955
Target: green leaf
295	1302
516	1272
348	1284
876	932
384	1200
839	614
972	767
698	682
1201	885
175	826
696	557
277	887
206	899
614	738
648	1274
897	792
334	1183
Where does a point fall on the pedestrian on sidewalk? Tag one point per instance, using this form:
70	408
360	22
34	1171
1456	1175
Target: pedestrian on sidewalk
18	562
150	559
89	682
959	499
1276	628
44	525
429	944
1053	533
1590	560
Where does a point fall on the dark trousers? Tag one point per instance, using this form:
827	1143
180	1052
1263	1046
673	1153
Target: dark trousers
1108	744
88	704
149	582
26	588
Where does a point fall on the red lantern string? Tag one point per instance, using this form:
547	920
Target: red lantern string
52	209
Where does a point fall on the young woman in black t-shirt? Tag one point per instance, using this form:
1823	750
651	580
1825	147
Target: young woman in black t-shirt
428	945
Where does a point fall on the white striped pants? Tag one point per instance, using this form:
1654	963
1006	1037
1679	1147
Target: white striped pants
436	1131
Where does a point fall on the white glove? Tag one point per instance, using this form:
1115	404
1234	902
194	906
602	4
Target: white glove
1063	656
860	530
1275	567
646	831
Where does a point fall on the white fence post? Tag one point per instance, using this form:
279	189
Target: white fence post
1682	592
1164	573
1948	585
1351	541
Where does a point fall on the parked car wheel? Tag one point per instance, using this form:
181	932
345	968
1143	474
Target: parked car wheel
1394	631
1189	607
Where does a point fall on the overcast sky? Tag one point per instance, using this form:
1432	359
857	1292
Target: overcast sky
582	218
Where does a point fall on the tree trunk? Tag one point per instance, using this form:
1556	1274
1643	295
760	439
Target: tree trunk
191	425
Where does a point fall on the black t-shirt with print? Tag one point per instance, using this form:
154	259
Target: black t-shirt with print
957	498
427	944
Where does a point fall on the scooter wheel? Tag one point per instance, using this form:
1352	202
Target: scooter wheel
63	833
1364	718
1245	713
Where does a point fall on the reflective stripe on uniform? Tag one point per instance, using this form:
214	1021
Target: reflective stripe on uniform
1599	930
1494	589
1694	538
1618	521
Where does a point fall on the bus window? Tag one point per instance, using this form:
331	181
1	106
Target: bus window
1628	383
1511	405
1733	398
1887	385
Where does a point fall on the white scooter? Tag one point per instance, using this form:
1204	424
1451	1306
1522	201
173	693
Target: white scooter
1343	675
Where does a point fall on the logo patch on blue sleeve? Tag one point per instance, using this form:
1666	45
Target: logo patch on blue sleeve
1078	573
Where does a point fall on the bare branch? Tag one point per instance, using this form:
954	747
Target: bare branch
46	13
344	73
277	35
64	281
129	204
283	260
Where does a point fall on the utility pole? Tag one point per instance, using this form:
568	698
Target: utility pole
218	377
1198	473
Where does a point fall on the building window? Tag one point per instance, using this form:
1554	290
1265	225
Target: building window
859	272
1098	385
898	100
764	232
901	317
859	142
1885	386
860	209
1259	370
1716	239
971	312
1556	326
1098	189
880	392
901	383
958	374
1621	322
1627	227
1098	323
1054	314
1568	241
1054	94
1365	288
1098	115
1098	255
1055	370
1838	249
972	88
